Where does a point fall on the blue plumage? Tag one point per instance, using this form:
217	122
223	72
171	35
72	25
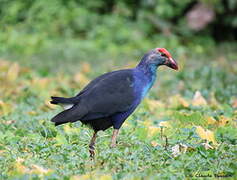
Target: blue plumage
110	98
143	81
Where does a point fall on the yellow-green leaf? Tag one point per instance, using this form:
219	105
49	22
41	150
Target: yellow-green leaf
5	108
198	99
206	134
13	72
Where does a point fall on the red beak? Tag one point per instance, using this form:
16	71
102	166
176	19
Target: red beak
172	64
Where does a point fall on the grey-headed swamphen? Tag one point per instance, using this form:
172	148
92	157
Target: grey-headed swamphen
109	99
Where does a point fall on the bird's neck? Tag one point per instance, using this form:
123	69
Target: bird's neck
148	72
147	69
147	76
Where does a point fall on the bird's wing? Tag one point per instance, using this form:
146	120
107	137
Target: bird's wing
105	96
94	82
70	115
110	94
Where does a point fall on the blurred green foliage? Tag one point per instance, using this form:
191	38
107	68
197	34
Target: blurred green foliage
31	147
29	27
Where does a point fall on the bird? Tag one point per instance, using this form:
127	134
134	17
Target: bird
108	100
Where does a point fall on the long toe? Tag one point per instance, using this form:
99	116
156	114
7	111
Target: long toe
113	145
92	153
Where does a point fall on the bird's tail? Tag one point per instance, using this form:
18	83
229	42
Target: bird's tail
62	100
73	114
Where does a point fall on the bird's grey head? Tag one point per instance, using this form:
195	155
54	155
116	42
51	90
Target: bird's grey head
157	57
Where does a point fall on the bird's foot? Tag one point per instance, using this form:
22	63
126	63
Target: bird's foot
92	145
114	137
113	145
92	152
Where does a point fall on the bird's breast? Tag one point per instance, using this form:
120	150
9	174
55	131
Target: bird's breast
143	84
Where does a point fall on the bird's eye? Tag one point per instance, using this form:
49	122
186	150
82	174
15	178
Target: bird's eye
163	54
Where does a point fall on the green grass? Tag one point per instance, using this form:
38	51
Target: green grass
32	148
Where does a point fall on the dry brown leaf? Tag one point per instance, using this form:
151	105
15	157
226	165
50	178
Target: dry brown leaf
20	168
126	124
13	72
213	100
39	170
4	65
19	160
223	121
179	149
211	120
177	100
183	102
154	143
25	70
2	151
49	105
81	177
206	134
164	124
41	86
147	123
70	130
105	177
81	79
32	113
234	103
41	83
92	175
153	104
181	84
152	130
207	146
85	67
198	99
9	122
5	108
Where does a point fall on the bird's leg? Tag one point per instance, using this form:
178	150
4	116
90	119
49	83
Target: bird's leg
114	137
92	145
